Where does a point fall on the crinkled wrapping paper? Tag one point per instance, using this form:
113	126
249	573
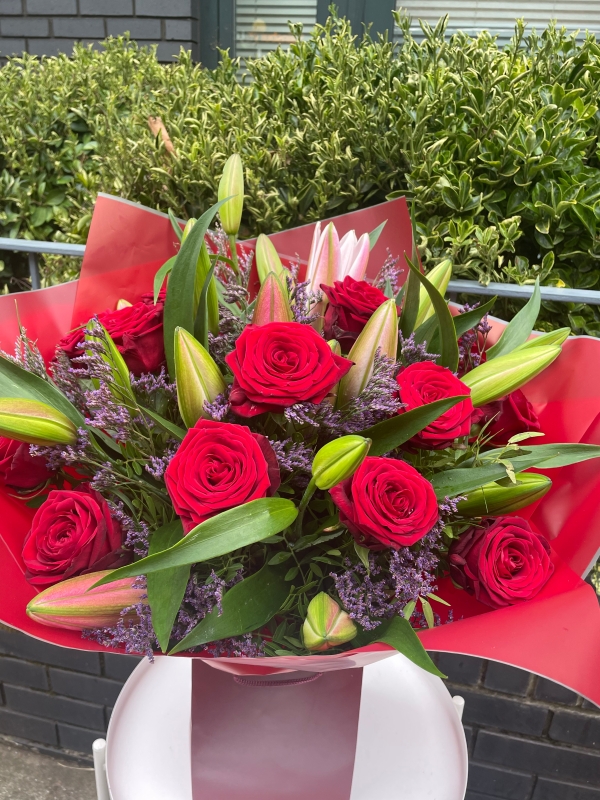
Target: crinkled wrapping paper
556	635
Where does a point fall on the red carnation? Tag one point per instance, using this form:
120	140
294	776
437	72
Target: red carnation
386	503
351	305
219	466
19	469
424	383
510	415
502	563
280	364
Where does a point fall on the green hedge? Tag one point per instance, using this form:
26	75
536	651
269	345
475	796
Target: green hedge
498	147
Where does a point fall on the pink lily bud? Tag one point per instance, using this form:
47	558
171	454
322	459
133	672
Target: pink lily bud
272	304
354	255
324	260
70	605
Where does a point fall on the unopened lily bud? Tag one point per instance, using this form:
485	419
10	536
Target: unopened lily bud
335	347
338	460
122	303
198	378
35	423
556	337
440	278
379	334
267	260
73	605
502	375
495	499
326	624
188	227
272	304
232	185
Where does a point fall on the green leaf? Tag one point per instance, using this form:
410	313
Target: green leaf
169	427
464	322
391	433
161	275
176	226
201	324
166	588
363	554
399	634
217	536
410	307
179	305
447	331
17	382
374	235
519	328
247	606
426	330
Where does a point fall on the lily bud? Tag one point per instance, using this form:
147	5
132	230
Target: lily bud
335	347
70	605
338	460
495	499
188	227
267	260
122	303
504	374
198	378
553	337
380	333
272	304
232	185
34	422
326	625
354	255
440	278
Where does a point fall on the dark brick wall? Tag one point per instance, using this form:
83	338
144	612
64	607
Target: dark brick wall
529	738
48	27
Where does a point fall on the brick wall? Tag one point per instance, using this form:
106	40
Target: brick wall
529	738
48	27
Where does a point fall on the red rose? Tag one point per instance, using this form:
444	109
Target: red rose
219	466
386	503
424	383
72	533
502	563
351	305
19	469
510	415
280	364
136	330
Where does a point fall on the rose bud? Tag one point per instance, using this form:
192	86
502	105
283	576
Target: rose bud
232	185
502	563
504	374
495	499
379	334
272	304
198	378
339	460
34	422
440	278
326	624
558	336
267	260
19	470
73	605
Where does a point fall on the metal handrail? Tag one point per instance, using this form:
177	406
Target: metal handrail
555	293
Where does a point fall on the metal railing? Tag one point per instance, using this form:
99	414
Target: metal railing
455	287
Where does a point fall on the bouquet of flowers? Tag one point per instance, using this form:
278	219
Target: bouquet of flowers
325	466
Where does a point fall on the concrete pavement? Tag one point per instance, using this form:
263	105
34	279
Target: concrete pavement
28	775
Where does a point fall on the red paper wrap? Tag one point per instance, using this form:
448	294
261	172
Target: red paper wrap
556	635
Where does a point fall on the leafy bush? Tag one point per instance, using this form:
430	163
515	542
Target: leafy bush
497	147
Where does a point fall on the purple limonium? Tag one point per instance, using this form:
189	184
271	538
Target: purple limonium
199	600
302	300
58	455
137	532
411	353
108	414
148	385
219	408
389	272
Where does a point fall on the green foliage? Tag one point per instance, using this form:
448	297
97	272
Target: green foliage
497	147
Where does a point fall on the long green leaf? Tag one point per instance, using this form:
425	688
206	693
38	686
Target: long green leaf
201	325
519	328
410	307
18	382
464	322
447	331
399	634
374	235
424	333
176	226
166	588
167	426
247	606
391	433
217	536
161	275
179	305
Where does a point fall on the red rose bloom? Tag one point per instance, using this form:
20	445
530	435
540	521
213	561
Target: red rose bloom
136	330
502	563
351	305
424	383
510	415
19	469
219	466
386	503
72	533
280	364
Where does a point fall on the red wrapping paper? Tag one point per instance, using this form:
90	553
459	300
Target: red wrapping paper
556	635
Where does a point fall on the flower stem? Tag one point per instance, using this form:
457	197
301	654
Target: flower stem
308	493
233	251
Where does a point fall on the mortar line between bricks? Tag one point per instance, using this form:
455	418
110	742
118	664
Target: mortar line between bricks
535	782
482	674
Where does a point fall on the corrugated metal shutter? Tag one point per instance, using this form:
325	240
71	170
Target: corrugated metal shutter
498	16
263	26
